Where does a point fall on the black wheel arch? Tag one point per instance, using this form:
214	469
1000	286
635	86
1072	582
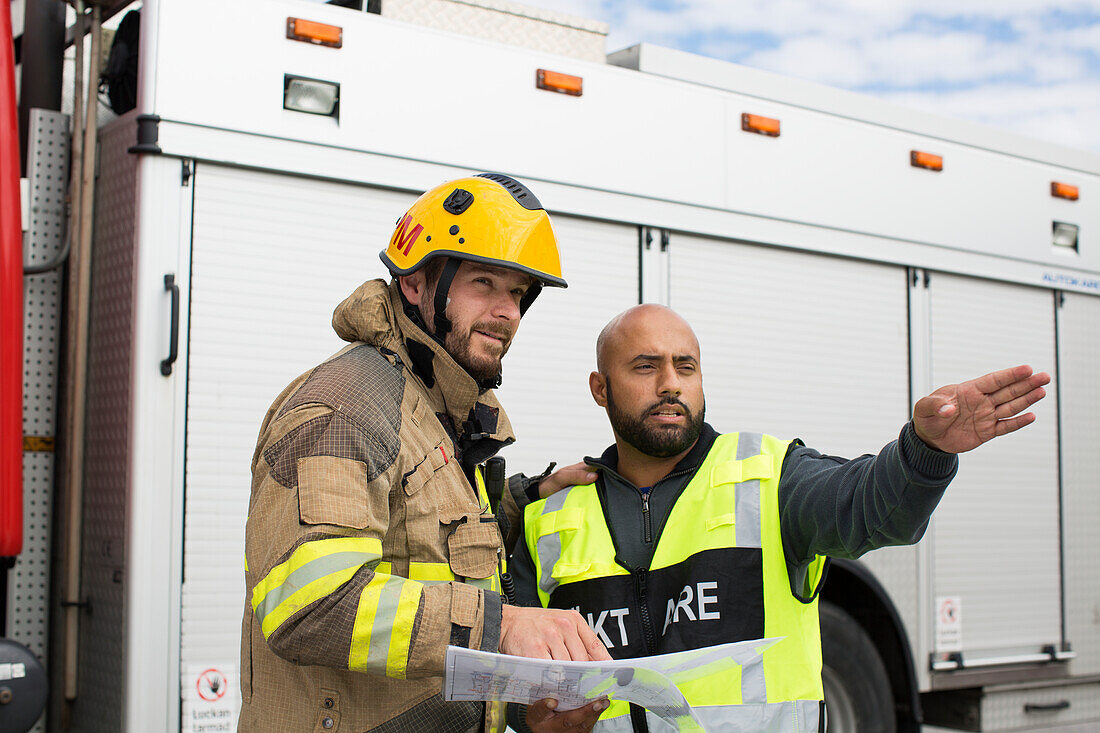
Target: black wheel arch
852	587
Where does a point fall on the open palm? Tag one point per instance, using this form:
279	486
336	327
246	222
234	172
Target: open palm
960	417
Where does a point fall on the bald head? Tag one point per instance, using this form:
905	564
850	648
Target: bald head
651	384
643	323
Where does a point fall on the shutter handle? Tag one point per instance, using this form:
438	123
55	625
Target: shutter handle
174	341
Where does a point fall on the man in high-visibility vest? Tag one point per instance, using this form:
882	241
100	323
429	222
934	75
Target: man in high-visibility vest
371	544
690	538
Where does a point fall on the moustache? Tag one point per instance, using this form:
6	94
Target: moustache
504	333
669	401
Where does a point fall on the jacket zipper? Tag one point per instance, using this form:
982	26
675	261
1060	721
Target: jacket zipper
647	527
642	575
637	713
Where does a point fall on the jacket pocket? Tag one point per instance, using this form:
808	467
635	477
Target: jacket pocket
434	460
474	547
333	491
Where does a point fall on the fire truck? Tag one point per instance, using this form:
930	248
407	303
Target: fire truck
838	256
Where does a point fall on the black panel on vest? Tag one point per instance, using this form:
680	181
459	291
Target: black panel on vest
608	605
732	609
713	597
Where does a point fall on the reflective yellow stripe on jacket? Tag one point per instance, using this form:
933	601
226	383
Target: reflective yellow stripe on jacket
382	631
313	570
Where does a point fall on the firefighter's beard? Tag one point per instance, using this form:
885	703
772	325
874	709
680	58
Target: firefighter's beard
662	441
479	356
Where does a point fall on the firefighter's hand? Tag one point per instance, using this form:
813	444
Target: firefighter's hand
549	633
576	475
542	717
960	417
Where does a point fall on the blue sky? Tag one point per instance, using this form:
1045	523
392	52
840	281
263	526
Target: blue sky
1029	67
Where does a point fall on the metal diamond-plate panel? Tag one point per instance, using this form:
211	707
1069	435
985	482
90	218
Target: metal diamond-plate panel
507	22
106	461
1079	355
47	174
1044	707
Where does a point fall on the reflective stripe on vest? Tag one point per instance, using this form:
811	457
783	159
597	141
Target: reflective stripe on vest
799	715
718	574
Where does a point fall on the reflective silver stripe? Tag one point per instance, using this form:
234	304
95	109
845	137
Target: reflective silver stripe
799	716
386	611
748	495
388	596
753	687
311	571
549	546
809	714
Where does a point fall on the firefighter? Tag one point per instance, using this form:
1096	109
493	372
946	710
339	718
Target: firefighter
689	538
370	543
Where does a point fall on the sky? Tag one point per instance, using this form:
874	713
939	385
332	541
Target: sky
1026	66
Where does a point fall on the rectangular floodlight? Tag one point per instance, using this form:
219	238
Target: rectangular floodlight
312	96
1064	235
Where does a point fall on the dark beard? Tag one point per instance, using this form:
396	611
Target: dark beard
484	371
660	442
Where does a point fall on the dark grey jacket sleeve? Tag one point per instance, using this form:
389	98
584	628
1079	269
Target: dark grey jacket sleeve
845	508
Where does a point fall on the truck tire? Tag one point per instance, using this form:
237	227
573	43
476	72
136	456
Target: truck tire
857	688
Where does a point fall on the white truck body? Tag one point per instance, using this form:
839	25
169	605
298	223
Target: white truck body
830	282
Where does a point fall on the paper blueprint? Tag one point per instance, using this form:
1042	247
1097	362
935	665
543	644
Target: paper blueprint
649	681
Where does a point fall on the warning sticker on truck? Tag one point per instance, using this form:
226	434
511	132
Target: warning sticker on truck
948	624
210	699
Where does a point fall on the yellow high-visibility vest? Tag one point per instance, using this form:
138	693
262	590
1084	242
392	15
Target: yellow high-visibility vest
718	574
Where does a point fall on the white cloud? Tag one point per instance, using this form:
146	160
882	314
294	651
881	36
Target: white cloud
921	59
1067	113
1032	68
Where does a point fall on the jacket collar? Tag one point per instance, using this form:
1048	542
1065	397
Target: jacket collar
374	314
609	459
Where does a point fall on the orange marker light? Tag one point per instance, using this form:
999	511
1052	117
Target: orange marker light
1063	191
309	31
555	81
760	125
925	160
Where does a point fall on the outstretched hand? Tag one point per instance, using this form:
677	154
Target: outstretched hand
960	417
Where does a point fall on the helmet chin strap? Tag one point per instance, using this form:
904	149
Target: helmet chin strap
442	324
529	297
446	277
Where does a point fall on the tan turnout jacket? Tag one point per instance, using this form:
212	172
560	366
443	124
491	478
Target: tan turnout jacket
367	549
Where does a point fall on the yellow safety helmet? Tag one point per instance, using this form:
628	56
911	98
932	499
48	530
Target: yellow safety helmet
489	218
